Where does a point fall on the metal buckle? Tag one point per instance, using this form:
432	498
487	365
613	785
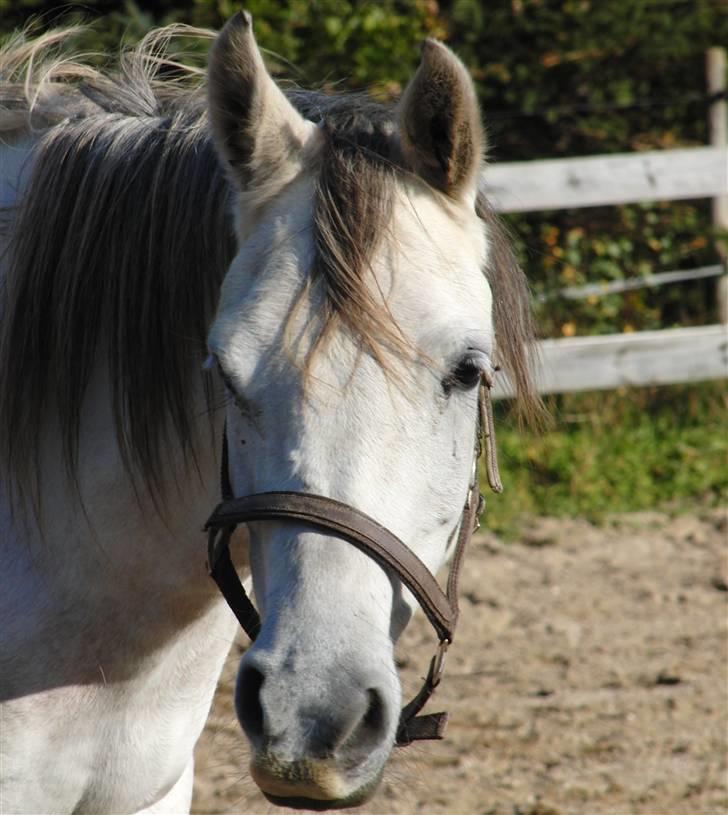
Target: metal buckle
438	663
479	512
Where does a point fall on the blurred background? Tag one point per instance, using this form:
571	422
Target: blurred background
556	79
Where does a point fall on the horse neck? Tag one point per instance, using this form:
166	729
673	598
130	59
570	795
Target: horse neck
106	529
97	549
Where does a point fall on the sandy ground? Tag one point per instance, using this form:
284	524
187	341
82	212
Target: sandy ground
589	676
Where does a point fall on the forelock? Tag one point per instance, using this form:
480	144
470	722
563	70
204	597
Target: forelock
354	185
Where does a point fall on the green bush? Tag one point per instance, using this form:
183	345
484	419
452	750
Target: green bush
331	43
615	451
560	78
609	244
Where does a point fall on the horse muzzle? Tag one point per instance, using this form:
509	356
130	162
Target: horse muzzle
318	743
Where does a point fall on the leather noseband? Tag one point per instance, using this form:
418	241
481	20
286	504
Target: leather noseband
360	530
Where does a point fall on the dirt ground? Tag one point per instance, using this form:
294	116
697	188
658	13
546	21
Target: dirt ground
589	676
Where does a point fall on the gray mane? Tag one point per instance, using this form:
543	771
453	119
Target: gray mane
118	246
123	235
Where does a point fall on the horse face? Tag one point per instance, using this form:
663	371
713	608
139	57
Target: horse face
321	404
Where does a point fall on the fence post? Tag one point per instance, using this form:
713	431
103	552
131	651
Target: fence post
715	65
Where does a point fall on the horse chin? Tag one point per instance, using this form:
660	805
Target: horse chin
312	804
309	784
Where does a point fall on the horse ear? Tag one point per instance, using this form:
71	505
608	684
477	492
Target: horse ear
256	129
439	122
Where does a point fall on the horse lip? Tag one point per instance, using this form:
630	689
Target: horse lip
318	805
307	784
313	779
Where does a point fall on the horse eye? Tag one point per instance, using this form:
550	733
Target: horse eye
465	375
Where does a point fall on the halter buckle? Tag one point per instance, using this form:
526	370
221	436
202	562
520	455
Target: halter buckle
479	511
438	663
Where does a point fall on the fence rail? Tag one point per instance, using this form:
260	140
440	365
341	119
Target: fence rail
631	283
664	357
624	178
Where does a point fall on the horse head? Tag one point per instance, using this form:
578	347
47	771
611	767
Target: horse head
353	330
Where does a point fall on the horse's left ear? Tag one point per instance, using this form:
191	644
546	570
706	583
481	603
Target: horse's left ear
439	120
256	129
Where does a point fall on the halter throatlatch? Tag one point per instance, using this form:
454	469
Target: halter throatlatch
360	530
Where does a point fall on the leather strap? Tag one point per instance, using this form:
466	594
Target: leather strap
486	435
226	488
352	525
224	574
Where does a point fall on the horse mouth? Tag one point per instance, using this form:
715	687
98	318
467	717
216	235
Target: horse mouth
318	805
313	785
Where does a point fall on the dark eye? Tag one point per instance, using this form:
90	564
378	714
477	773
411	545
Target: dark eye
465	375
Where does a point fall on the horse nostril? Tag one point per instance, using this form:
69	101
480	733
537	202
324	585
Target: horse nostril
373	725
374	717
247	703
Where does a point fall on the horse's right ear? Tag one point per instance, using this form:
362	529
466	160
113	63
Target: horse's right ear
257	131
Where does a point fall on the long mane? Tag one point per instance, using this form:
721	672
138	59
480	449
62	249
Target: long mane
118	246
122	236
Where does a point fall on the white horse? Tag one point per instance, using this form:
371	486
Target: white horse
360	311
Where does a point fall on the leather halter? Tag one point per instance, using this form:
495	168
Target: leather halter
360	530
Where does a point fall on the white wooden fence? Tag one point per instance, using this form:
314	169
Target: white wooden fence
662	175
647	357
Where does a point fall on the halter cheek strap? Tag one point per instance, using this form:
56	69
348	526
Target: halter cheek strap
360	530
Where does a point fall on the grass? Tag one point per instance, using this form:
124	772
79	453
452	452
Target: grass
615	451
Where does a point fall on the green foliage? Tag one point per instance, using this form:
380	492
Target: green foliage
332	43
578	77
614	452
614	243
337	43
574	77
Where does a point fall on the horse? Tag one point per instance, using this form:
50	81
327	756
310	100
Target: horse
188	256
